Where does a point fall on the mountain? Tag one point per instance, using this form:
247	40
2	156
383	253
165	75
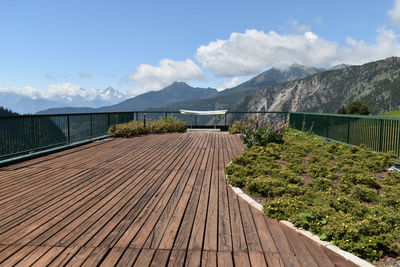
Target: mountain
176	92
376	84
78	97
24	104
230	97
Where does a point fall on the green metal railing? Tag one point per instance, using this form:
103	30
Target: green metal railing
378	133
28	134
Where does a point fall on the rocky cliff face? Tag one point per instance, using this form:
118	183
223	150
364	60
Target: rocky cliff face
376	83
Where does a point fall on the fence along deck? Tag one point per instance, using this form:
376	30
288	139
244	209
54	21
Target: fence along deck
378	133
151	200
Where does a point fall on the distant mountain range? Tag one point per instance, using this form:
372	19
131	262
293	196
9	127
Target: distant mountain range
376	84
94	98
296	88
229	98
176	92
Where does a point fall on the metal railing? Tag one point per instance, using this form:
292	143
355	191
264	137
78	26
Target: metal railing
27	134
378	133
22	135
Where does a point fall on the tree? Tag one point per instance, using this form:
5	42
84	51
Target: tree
356	107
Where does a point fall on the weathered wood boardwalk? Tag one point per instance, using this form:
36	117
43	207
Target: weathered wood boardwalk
155	200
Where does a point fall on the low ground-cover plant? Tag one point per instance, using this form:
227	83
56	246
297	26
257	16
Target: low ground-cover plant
342	193
135	128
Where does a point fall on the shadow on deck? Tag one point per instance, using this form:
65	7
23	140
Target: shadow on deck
153	200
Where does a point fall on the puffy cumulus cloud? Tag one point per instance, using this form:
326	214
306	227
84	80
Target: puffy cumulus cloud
157	77
359	52
394	13
25	91
68	90
253	51
230	83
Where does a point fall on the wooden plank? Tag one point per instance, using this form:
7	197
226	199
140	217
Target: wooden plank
177	258
257	259
112	257
95	257
224	226
266	239
338	260
238	238
209	258
160	258
128	258
241	258
285	250
33	256
193	258
273	259
144	258
63	258
49	256
225	259
250	230
300	250
211	233
13	254
80	256
317	252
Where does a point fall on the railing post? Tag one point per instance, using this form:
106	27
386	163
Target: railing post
381	136
285	120
225	119
144	120
165	115
68	130
348	130
91	125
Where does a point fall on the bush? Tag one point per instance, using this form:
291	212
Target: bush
135	128
328	189
239	127
260	133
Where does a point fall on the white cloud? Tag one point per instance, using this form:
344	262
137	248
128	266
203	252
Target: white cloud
253	51
25	91
85	75
394	13
359	52
298	27
157	77
230	83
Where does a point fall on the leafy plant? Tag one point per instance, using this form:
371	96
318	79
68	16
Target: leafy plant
135	128
331	189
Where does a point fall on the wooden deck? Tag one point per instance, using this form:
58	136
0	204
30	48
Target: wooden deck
148	201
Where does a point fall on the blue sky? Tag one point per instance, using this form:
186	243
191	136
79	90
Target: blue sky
140	46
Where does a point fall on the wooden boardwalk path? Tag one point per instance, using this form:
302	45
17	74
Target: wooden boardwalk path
155	200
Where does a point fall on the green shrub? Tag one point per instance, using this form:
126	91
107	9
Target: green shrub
129	129
135	128
239	127
330	189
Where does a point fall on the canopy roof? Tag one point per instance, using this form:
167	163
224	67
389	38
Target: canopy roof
210	112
